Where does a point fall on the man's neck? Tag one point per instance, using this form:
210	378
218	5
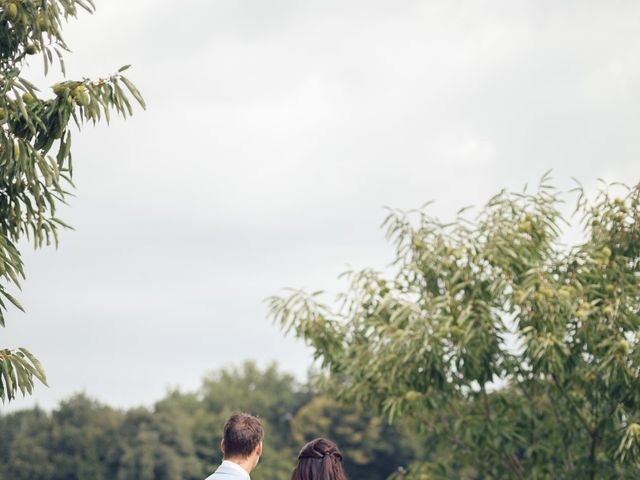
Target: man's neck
245	463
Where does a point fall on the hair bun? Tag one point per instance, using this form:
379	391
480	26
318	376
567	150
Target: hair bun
319	459
320	448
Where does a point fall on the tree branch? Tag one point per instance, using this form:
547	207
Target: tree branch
573	404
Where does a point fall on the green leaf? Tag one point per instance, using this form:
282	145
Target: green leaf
134	91
12	299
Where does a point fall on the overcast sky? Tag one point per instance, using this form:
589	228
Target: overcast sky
276	132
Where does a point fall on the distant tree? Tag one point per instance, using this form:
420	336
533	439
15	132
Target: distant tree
156	446
523	354
82	436
25	440
35	148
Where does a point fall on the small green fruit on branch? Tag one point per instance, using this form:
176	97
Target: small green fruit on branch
98	97
12	12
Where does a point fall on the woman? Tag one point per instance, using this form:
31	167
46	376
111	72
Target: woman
319	459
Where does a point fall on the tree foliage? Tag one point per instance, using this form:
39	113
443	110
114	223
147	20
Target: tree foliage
35	148
493	336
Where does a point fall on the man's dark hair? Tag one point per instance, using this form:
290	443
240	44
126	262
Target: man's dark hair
242	434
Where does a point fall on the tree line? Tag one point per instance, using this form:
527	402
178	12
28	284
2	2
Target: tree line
178	438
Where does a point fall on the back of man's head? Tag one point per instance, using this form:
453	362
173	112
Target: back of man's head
242	434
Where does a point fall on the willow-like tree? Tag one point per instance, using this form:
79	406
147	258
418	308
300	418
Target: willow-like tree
519	352
35	148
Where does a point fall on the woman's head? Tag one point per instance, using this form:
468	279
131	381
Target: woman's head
320	459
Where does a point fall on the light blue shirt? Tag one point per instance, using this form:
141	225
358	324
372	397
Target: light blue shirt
229	471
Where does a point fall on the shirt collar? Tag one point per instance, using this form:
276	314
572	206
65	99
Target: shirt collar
236	467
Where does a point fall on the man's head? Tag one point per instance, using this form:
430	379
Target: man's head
242	441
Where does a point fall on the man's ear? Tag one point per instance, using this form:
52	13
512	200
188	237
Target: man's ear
222	446
258	449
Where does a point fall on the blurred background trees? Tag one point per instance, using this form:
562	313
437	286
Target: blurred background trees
179	437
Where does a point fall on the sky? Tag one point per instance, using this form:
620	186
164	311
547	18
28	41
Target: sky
276	133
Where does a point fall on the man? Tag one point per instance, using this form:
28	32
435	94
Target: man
241	447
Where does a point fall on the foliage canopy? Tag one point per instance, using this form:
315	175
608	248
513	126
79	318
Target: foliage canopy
520	352
179	438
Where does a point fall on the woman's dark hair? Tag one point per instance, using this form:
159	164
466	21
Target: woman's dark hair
320	459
